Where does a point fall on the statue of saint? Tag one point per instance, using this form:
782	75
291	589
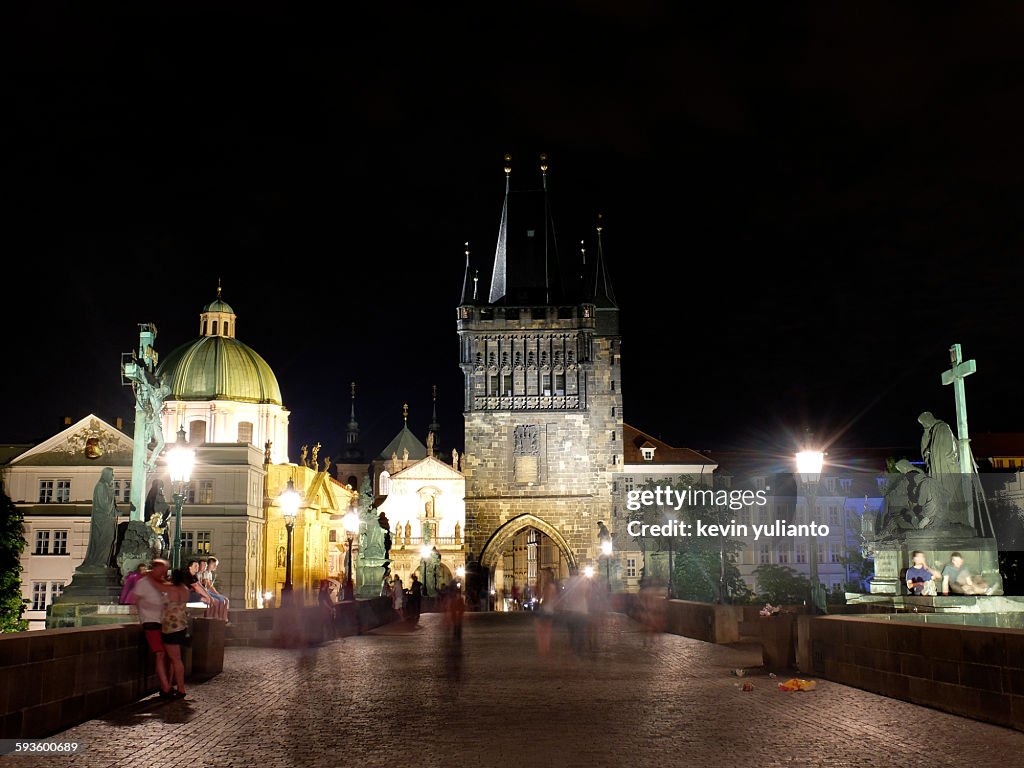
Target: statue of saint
302	456
430	443
156	504
150	394
938	446
385	525
314	462
939	451
102	523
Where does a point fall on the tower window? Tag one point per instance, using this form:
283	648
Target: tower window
245	431
385	483
197	432
213	326
559	383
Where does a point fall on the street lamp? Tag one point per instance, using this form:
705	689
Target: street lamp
588	571
425	551
180	460
809	464
460	573
606	550
351	521
289	502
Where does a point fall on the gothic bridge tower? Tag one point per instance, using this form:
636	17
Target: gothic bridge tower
540	354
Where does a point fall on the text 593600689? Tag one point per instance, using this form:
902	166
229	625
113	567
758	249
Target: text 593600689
39	747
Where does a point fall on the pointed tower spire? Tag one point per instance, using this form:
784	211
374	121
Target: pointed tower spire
465	280
604	294
499	275
352	449
405	412
435	427
218	287
547	226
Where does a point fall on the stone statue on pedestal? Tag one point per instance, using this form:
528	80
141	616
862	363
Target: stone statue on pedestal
102	523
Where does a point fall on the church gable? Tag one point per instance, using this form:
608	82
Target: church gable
90	441
429	468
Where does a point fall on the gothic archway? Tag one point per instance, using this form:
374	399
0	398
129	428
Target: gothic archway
503	536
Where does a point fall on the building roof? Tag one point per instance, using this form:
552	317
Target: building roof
219	368
998	444
634	440
405	439
10	451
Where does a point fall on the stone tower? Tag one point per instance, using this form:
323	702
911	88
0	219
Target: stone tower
543	402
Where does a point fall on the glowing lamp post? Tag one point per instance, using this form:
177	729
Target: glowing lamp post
460	574
351	522
808	465
180	460
588	571
289	502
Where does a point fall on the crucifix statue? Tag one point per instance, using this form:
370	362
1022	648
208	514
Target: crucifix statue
958	371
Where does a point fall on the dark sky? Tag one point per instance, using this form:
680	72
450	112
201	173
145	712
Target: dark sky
804	206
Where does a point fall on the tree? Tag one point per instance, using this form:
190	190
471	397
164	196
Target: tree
12	544
704	568
780	584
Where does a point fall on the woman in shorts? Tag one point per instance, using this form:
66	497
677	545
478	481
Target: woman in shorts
174	627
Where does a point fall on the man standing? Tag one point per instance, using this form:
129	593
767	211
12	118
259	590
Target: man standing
149	601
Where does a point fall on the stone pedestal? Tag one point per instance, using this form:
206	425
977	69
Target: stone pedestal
981	557
91	589
369	573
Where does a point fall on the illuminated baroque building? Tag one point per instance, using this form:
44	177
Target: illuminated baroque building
228	399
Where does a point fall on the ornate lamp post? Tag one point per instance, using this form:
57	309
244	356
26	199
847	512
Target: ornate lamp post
289	502
808	465
425	552
180	460
351	522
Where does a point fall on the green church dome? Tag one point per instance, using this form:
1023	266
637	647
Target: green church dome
218	305
219	368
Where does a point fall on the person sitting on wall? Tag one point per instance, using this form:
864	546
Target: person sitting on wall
920	578
957	578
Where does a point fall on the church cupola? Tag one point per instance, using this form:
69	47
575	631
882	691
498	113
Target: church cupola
217	318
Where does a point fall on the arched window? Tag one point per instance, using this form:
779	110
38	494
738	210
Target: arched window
213	332
385	483
245	431
197	432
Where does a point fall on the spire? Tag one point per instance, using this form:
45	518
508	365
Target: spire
604	294
218	287
352	450
465	280
435	427
548	228
405	412
499	275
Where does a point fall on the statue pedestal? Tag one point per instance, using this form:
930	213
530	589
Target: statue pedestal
369	573
94	591
135	548
981	558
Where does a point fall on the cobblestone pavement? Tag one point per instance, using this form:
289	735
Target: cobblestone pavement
410	697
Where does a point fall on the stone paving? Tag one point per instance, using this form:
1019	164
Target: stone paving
402	696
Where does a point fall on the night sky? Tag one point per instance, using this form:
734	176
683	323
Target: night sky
804	206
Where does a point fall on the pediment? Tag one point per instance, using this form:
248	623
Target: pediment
429	468
89	441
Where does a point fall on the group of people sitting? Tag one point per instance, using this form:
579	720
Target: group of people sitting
955	578
199	577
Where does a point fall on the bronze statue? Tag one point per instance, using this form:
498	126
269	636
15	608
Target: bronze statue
102	523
